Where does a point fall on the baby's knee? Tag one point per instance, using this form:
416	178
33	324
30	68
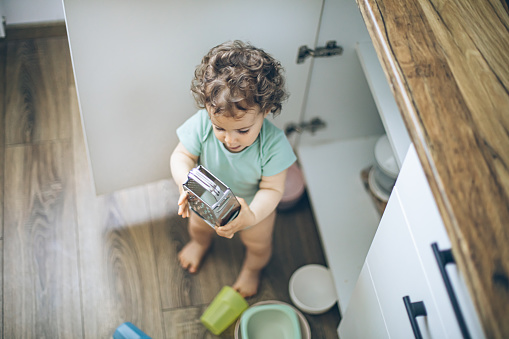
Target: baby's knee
197	224
258	247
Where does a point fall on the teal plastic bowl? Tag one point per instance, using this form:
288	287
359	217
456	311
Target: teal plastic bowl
270	321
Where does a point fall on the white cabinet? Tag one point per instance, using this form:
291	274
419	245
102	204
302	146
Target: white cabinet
366	306
397	273
346	218
401	262
332	161
333	158
385	102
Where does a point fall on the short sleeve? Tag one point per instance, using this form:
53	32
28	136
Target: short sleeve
277	151
192	132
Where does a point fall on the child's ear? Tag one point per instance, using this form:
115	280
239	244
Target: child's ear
266	113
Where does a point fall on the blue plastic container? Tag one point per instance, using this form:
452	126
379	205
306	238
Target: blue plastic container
128	331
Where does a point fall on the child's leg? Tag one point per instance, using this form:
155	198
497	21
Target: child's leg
201	236
258	242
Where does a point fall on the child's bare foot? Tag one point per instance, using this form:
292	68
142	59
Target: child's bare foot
247	282
191	255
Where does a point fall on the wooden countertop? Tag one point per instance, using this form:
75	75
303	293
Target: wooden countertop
447	62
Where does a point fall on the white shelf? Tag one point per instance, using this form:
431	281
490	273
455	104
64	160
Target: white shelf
347	218
384	100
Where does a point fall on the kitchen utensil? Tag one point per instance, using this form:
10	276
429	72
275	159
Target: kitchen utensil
210	198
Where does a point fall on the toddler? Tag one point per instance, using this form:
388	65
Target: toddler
236	86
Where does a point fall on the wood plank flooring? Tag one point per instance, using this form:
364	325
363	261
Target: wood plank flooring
76	265
3	55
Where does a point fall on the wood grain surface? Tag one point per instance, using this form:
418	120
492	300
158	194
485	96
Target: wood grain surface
38	93
77	265
448	65
3	60
41	282
35	30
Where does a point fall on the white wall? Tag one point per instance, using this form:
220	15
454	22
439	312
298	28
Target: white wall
32	11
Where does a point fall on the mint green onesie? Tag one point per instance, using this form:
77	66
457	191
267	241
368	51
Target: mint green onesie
270	154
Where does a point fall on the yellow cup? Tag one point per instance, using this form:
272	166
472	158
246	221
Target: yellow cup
226	307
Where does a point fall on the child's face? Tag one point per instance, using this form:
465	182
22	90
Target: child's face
237	133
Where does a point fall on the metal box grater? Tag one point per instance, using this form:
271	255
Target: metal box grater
208	197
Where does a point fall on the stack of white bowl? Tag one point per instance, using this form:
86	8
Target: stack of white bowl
382	176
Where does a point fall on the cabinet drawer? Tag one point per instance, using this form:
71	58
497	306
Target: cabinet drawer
426	227
397	272
363	318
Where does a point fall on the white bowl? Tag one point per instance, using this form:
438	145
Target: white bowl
312	289
375	188
385	158
383	180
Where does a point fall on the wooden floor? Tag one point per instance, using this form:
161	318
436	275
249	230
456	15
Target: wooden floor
77	266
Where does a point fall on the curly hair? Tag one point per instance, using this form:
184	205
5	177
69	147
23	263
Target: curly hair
236	72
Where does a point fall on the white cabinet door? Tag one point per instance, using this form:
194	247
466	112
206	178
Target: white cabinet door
426	227
134	61
397	272
401	263
363	317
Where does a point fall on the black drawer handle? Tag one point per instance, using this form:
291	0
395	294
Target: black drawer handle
414	310
443	258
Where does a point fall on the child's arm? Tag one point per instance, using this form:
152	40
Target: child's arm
181	162
264	203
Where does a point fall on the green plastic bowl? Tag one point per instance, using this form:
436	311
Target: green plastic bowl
270	321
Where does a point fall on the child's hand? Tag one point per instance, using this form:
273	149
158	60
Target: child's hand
245	218
183	205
